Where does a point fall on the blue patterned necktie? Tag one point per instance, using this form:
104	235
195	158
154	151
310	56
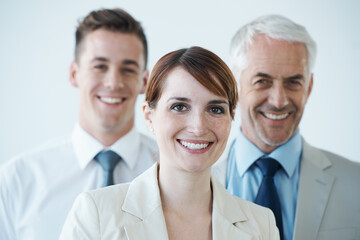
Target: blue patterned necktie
267	195
108	160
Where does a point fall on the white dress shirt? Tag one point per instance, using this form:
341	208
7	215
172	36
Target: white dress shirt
37	189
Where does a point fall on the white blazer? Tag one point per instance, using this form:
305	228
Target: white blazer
328	204
133	211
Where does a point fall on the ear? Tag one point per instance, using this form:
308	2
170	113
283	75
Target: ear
148	114
310	86
74	68
144	81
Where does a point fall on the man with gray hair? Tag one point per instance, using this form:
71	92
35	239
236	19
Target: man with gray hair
312	192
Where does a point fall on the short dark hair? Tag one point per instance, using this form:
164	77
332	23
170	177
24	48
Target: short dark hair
205	66
116	20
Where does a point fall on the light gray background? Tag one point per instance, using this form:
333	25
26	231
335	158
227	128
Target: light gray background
38	103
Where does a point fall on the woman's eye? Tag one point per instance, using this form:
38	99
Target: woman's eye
179	107
217	110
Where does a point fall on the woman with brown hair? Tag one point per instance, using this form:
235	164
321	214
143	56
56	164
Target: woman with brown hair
190	102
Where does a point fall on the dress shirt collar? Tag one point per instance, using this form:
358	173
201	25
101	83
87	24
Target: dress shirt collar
86	147
288	154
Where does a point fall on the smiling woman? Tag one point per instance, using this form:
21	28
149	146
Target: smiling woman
190	102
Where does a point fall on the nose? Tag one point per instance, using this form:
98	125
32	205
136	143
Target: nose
278	96
113	80
198	123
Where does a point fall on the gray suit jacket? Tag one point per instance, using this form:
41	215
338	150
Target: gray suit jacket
328	205
134	211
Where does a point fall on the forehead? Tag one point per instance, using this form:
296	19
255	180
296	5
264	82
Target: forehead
112	45
274	56
181	83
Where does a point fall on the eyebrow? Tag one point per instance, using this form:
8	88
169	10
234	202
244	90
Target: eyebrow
102	59
294	77
125	62
219	102
188	100
179	99
264	75
130	62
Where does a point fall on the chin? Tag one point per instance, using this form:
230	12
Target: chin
195	168
275	141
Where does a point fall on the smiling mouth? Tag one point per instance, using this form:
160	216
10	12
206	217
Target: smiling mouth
275	116
194	146
111	100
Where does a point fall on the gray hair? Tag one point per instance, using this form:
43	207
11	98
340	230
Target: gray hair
274	26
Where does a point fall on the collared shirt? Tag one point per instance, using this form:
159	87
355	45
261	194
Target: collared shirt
244	178
37	189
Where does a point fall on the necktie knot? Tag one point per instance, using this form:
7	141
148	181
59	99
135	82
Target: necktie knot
268	166
108	160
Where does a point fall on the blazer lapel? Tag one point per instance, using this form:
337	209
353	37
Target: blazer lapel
228	217
143	201
314	189
153	227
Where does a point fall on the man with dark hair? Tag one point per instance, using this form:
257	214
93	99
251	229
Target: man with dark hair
38	188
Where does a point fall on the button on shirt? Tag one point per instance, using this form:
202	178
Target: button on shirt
244	178
37	189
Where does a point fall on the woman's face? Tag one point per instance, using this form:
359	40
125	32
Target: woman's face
190	123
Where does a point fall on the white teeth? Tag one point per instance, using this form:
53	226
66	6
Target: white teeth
276	117
111	100
194	146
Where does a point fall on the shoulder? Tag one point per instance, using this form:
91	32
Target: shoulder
36	158
148	147
148	141
94	213
332	163
108	200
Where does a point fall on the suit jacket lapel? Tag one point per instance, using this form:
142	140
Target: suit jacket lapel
314	189
228	217
153	227
143	201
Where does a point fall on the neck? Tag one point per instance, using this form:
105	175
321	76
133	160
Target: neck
106	137
185	192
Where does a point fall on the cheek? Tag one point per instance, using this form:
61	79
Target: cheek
166	125
134	85
89	83
299	100
221	127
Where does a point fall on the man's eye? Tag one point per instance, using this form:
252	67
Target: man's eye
295	82
262	81
179	107
129	70
100	67
217	110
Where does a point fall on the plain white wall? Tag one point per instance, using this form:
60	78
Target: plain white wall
37	102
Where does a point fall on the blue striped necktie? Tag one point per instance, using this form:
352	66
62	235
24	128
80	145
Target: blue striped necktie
267	195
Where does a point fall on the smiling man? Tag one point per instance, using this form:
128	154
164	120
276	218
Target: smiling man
38	188
269	163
